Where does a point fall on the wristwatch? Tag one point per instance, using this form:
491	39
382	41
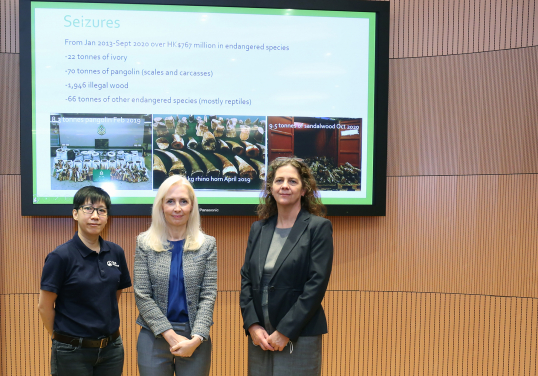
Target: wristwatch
198	336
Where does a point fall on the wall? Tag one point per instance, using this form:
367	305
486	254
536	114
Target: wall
445	284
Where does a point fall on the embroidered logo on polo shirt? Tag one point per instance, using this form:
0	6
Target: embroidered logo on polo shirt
112	263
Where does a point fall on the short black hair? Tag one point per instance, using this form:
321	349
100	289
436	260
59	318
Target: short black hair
93	193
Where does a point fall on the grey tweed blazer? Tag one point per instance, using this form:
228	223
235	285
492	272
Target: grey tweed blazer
151	279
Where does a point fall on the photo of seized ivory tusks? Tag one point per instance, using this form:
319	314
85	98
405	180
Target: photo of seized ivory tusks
207	145
178	168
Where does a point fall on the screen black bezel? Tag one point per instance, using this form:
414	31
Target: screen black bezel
378	206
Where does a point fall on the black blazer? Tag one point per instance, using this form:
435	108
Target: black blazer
299	279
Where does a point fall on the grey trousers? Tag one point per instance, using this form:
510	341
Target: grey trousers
305	360
155	359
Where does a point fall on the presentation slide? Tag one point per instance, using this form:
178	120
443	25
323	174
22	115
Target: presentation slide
127	95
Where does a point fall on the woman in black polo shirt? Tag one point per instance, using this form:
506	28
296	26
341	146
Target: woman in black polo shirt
80	288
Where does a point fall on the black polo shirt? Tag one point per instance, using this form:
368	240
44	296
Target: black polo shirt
86	283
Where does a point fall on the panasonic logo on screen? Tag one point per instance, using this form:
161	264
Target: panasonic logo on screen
214	210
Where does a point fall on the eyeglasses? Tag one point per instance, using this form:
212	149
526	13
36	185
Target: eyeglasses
88	209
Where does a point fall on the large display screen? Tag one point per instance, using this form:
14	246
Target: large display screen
123	95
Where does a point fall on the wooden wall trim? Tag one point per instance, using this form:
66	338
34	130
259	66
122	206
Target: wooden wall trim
10	114
370	333
452	27
446	234
9	26
451	115
418	27
445	284
464	115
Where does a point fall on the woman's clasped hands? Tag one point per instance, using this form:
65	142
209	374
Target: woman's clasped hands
179	345
274	342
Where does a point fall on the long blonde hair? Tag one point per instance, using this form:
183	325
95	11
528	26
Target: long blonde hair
156	237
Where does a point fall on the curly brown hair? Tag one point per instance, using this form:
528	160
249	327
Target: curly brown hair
310	202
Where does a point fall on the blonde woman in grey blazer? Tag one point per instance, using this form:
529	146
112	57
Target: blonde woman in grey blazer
175	284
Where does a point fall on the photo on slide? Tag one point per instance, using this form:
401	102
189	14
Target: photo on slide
331	147
212	151
100	149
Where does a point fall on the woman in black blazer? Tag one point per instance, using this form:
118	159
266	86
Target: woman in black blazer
285	275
